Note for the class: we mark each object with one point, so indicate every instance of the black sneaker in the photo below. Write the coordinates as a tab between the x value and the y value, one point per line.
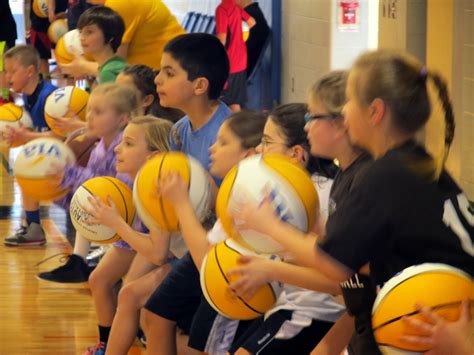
75	270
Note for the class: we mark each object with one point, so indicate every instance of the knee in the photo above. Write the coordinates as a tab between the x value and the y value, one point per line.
98	280
129	297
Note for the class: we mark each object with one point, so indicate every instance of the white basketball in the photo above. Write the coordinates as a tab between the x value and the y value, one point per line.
35	163
101	187
64	102
294	197
57	29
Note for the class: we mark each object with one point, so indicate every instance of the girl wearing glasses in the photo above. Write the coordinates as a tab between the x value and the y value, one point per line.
301	317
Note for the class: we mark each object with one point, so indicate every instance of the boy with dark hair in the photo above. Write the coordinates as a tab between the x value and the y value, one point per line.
101	30
194	69
22	65
229	18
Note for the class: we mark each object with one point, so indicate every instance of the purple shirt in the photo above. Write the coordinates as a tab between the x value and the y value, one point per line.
101	163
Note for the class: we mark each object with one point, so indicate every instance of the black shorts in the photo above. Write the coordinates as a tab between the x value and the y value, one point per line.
224	331
260	336
41	42
179	295
235	92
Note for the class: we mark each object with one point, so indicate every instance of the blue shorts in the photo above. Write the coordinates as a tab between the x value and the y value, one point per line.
179	295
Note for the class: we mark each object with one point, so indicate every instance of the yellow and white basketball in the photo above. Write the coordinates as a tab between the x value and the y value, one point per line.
215	283
64	102
68	47
13	116
40	8
245	31
57	29
156	211
294	197
438	286
34	165
101	187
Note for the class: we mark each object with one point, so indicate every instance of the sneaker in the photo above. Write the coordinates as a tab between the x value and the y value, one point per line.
27	236
75	270
98	349
94	256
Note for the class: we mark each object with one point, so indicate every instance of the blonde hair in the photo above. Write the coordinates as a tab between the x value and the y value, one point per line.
123	98
400	81
330	91
25	55
157	132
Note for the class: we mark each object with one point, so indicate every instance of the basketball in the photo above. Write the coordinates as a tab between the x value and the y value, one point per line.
438	286
68	47
215	283
101	187
294	197
32	168
64	102
82	145
156	211
40	8
245	31
13	116
57	29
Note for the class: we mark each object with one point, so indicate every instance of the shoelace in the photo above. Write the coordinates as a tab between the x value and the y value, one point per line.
63	258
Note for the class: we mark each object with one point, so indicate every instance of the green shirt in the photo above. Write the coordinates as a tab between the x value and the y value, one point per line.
110	69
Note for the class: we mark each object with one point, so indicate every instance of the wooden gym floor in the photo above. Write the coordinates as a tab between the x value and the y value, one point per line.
37	316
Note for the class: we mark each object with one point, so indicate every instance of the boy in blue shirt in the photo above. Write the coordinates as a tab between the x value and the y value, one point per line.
194	69
22	66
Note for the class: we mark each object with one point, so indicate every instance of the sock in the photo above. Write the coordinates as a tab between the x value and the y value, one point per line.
32	216
104	334
81	246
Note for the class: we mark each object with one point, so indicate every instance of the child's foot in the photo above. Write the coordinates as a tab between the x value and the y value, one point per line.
31	235
98	349
75	270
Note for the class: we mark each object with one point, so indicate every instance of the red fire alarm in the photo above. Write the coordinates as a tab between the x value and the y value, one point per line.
348	19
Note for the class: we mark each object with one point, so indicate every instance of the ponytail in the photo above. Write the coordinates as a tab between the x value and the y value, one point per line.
449	122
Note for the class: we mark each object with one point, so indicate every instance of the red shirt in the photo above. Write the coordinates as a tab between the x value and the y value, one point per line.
229	18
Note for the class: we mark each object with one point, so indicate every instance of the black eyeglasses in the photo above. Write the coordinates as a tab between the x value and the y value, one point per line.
308	117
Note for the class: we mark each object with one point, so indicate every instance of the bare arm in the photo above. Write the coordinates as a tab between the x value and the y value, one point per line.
254	272
154	247
251	22
337	338
263	219
222	37
173	188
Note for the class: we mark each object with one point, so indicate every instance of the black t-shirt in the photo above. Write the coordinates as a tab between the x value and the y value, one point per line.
8	26
258	36
359	291
394	219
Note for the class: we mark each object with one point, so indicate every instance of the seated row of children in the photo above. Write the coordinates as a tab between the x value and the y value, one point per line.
367	124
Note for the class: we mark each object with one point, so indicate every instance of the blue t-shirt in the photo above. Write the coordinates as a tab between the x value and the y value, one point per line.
196	143
35	103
